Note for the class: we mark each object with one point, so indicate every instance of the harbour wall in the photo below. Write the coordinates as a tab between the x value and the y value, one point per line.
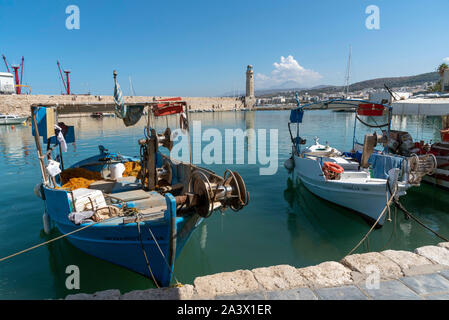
352	276
86	104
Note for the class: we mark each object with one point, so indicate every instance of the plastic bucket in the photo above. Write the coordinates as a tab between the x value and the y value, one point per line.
117	170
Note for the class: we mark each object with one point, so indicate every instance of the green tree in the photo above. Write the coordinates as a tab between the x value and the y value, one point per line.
435	88
441	68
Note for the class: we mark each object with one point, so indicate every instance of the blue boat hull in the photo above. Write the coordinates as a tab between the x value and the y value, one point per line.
120	243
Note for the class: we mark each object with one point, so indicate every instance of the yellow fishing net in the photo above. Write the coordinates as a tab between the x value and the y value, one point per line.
75	178
132	168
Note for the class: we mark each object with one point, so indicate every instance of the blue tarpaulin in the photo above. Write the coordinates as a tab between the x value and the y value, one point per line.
382	163
355	155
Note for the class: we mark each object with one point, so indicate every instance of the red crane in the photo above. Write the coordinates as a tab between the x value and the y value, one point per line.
66	83
16	74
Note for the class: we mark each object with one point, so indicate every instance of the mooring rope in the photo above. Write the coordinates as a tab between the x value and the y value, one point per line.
371	125
373	226
393	232
401	207
54	239
178	284
144	253
409	214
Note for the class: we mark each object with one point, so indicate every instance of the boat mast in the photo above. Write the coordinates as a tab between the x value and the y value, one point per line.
131	88
348	70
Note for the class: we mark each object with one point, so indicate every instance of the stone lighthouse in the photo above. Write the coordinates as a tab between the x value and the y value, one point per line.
250	99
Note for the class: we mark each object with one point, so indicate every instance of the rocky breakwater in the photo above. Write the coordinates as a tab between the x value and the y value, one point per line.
86	104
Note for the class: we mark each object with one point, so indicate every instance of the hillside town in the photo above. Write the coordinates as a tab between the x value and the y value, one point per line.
376	94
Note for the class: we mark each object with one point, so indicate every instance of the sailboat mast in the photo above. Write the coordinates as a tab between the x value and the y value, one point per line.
348	70
131	88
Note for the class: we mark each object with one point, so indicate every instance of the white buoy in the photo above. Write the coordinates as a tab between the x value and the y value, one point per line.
289	164
37	190
46	222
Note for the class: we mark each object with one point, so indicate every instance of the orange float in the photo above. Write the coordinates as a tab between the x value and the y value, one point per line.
334	167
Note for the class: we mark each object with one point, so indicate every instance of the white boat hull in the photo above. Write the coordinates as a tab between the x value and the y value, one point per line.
367	197
9	121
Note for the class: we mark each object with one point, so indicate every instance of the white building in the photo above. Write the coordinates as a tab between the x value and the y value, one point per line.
277	100
6	83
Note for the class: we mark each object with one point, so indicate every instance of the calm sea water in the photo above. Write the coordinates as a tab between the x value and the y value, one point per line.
283	224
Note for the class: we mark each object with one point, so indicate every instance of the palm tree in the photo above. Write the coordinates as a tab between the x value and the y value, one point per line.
441	68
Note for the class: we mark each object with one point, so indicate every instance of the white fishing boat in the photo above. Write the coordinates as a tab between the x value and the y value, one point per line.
362	180
12	119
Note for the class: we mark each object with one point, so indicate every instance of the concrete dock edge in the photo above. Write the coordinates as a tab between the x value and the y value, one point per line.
422	274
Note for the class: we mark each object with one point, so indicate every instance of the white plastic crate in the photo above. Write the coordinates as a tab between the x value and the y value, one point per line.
84	198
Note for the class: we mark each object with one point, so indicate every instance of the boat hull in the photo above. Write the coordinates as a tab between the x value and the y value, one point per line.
121	244
123	248
367	199
10	121
440	180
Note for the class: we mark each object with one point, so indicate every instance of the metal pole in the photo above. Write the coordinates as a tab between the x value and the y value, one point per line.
60	155
353	136
16	75
21	71
188	135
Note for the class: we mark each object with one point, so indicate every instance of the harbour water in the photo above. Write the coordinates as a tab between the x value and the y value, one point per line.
283	224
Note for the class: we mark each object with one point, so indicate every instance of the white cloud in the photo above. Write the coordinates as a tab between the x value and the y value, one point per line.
446	59
288	73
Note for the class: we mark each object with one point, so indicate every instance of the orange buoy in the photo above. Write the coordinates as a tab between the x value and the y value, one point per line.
334	167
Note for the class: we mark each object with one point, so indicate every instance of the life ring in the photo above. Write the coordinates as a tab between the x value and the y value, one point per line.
334	167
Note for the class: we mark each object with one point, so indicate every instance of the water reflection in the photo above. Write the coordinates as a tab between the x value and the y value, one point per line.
314	222
15	144
283	224
95	274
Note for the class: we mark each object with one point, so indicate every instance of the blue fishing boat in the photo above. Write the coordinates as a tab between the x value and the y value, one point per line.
134	212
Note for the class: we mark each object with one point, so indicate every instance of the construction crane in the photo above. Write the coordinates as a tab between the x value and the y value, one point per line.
16	68
6	64
66	82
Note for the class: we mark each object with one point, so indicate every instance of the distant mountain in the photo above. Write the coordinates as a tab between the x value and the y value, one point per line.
392	82
396	81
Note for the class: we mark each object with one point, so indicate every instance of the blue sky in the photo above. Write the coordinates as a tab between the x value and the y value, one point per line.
202	48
